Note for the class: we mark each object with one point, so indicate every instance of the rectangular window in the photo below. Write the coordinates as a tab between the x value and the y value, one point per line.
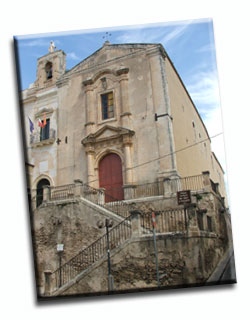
107	106
44	132
209	224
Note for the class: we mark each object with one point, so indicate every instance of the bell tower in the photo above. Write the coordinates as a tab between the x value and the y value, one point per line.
50	67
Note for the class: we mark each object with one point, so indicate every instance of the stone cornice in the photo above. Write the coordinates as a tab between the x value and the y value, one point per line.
97	137
124	114
46	93
45	110
29	99
62	82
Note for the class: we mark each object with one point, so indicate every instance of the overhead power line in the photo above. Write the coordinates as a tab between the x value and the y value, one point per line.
169	154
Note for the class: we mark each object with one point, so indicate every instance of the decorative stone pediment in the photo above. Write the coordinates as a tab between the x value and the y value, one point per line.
44	110
108	134
109	52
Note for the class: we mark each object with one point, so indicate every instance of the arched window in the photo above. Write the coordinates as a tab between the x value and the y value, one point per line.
48	70
39	191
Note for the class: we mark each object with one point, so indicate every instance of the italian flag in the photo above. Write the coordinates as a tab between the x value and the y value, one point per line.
42	124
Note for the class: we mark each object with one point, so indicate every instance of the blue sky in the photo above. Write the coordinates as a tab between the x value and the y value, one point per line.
189	44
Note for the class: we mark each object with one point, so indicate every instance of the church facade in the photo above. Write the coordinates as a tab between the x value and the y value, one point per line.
120	118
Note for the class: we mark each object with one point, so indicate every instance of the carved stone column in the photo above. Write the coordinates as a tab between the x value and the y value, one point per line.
90	161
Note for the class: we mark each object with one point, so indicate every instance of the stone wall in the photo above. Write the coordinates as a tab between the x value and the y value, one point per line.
183	261
186	258
71	223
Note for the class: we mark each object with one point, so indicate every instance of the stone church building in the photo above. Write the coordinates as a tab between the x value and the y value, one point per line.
103	125
119	128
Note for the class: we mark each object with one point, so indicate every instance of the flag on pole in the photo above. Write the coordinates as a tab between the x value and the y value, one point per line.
44	120
43	123
40	124
31	126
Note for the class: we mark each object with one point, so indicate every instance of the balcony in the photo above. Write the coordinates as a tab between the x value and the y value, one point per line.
38	140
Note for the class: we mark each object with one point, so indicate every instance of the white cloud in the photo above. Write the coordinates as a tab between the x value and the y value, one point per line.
138	36
206	48
213	123
72	56
36	43
176	33
204	90
154	35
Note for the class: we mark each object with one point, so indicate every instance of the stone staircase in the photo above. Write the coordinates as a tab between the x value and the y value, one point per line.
63	277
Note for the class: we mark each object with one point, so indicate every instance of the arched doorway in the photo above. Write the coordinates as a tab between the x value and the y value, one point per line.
110	177
39	191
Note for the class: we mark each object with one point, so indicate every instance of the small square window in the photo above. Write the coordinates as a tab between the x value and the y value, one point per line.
107	105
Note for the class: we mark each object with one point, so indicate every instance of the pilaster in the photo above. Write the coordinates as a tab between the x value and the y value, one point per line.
127	145
125	107
90	112
162	106
206	181
193	228
90	161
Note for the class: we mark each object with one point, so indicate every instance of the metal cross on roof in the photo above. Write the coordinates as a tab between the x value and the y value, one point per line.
107	34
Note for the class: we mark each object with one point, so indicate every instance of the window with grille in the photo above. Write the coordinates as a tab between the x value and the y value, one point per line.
107	106
44	132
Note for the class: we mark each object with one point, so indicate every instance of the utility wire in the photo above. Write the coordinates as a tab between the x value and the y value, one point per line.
167	155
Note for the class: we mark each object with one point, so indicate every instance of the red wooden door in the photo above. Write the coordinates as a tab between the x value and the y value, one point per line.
110	177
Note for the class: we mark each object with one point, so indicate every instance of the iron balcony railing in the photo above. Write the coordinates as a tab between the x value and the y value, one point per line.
37	137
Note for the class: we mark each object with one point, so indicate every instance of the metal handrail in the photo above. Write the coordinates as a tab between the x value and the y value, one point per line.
91	254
